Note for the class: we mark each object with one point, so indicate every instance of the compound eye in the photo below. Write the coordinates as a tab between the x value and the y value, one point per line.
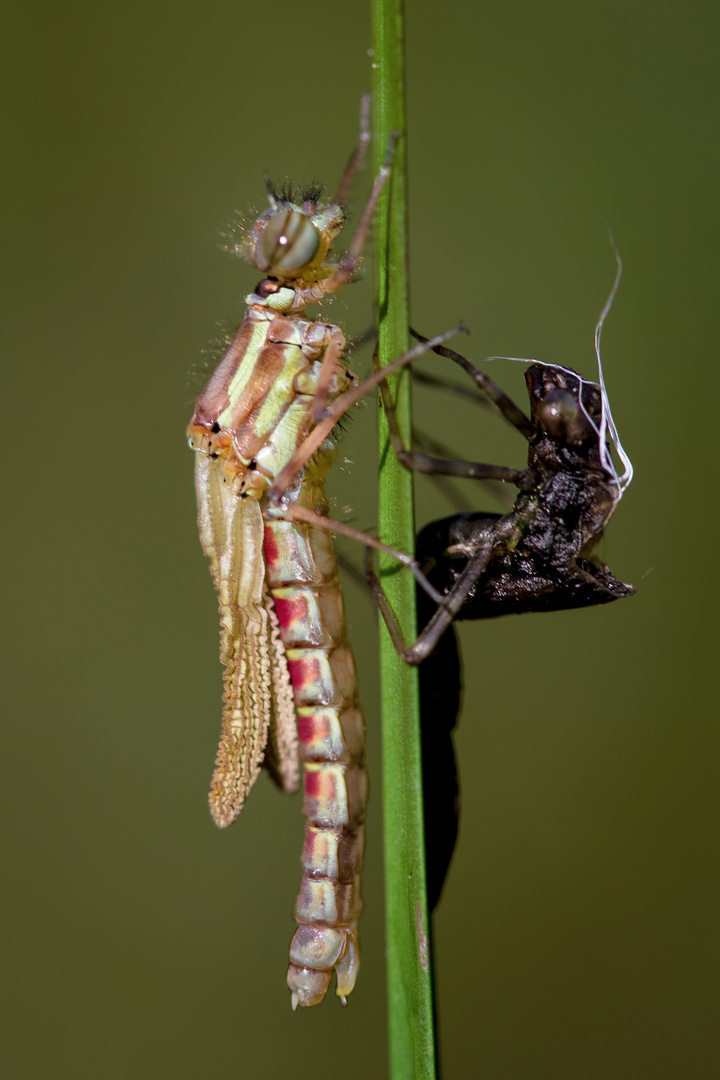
288	242
562	417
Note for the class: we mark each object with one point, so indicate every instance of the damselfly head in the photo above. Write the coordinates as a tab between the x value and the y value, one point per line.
291	240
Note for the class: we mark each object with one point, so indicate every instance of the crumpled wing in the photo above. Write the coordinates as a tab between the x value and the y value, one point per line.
282	753
257	691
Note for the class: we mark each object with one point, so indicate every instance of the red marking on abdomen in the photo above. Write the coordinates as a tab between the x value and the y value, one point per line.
290	611
272	553
318	785
313	728
303	672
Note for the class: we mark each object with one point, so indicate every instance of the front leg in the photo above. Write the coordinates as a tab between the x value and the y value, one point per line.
312	443
427	463
512	413
448	608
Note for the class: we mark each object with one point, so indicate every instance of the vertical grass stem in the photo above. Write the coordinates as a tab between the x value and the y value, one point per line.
412	1053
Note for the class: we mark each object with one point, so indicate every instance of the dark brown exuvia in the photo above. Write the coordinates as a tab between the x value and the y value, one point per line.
539	556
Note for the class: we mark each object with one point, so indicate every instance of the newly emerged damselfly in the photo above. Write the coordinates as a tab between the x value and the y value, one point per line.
290	692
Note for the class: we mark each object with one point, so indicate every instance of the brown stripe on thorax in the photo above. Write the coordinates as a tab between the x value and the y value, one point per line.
214	397
273	365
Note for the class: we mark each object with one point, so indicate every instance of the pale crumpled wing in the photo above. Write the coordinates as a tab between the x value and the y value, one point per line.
282	754
256	680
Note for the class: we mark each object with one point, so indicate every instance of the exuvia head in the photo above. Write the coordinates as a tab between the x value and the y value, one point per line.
563	404
561	416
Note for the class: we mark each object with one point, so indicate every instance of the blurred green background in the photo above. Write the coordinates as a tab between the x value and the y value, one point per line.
578	935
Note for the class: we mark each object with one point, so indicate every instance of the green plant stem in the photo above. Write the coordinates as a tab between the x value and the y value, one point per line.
412	1054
